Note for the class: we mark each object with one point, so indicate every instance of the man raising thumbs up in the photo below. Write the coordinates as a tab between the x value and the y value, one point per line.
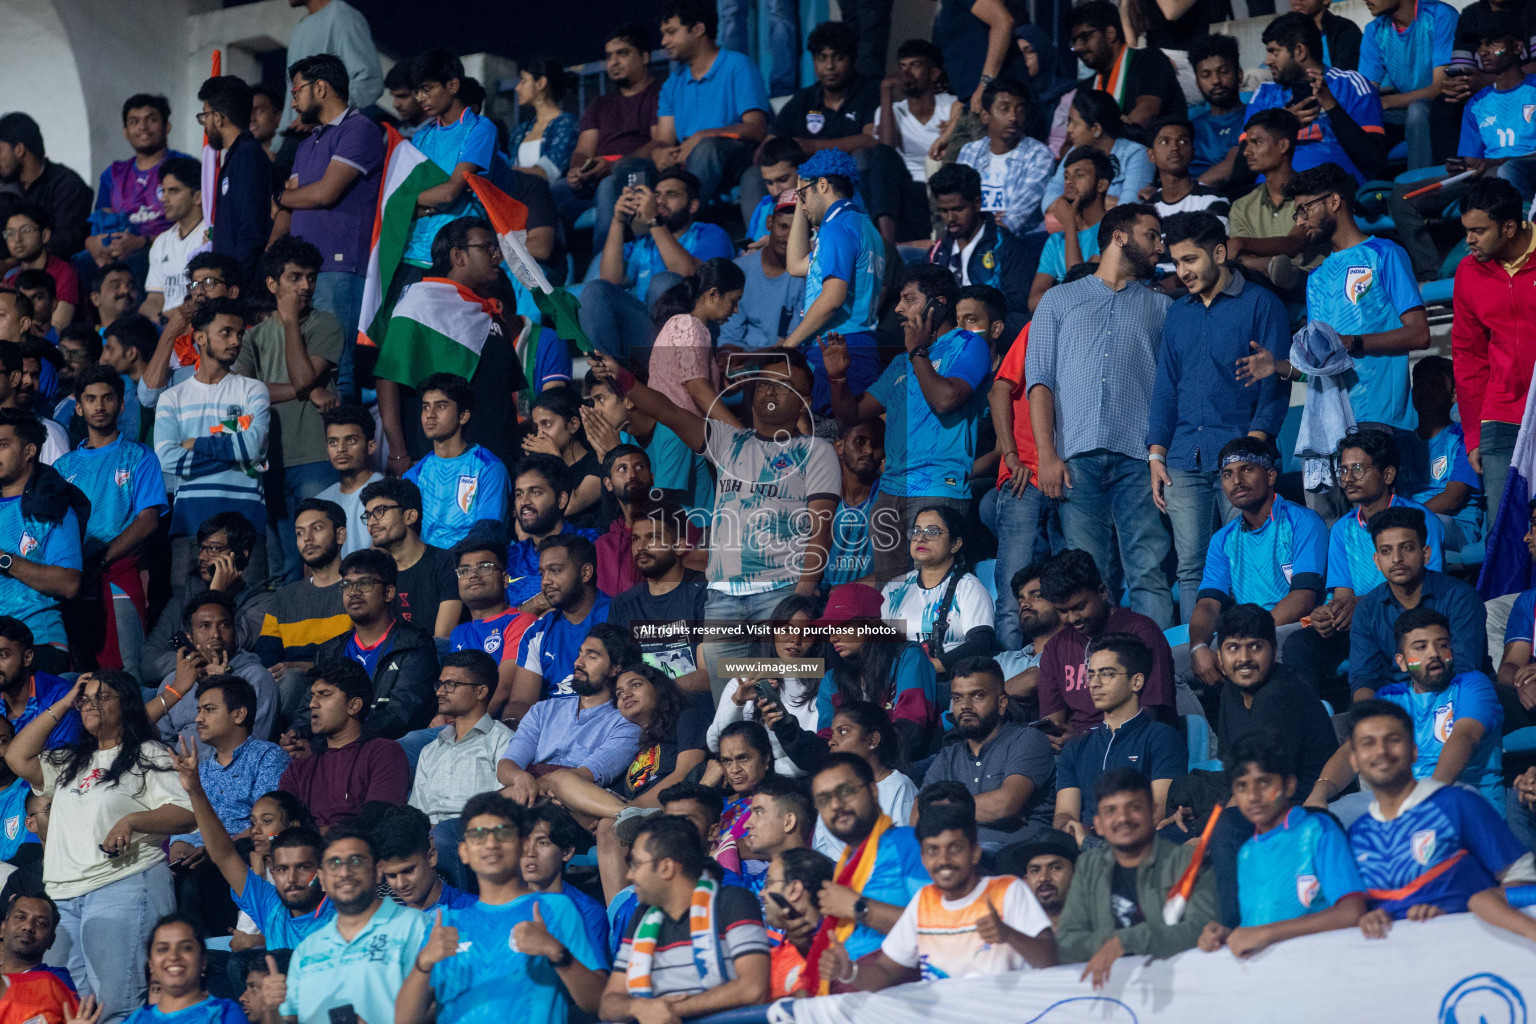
963	924
506	957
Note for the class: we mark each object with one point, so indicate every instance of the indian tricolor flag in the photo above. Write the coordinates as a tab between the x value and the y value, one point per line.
407	174
439	326
509	218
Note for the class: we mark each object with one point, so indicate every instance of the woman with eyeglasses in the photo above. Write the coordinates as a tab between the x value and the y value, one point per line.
178	965
557	430
944	607
794	698
864	729
115	800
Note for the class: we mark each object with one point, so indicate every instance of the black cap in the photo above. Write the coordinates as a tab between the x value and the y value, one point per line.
1013	860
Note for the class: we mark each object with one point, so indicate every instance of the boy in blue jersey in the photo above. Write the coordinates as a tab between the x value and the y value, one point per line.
122	480
1426	848
26	691
1497	138
40	560
1404	52
568	574
462	485
1450	487
1274	554
480	564
1218	76
844	270
932	396
1296	875
1340	111
1087	174
1364	290
402	838
14	791
1368	468
514	955
552	839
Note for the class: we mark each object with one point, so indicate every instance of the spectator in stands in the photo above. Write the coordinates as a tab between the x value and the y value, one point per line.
669	595
794	878
1083	425
860	451
567	570
408	862
1265	238
1218	75
392	516
177	971
839	112
863	728
1296	875
1143	82
713	108
27	690
113	293
1010	929
105	862
52	187
242	212
318	975
1072	584
778	544
793	698
844	270
1094	122
186	234
627	478
552	838
350	446
913	124
1368	466
129	210
615	132
1340	109
224	543
976	248
121	478
28	236
351	770
41	290
1191	394
42	533
1452	489
931	426
944	607
1341	36
462	484
1118	668
777	163
1007	767
399	656
682	362
1515	671
1046	867
27	932
1404	53
1035	621
307	612
554	419
402	99
1399	542
542	488
210	275
781	818
1381	316
341	29
1483	859
208	621
772	298
542	145
1171	151
330	200
656	960
883	855
1115	905
211	432
493	626
1011	190
1015	513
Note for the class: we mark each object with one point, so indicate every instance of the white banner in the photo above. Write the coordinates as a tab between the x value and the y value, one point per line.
1450	970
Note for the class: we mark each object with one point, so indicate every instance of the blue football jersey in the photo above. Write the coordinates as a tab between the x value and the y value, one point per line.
1435	714
1496	125
459	492
1351	555
1299	867
1289	552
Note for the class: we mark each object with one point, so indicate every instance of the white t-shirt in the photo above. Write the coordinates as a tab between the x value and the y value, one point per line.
352	505
85	811
56	444
939	937
168	256
806	714
528	152
993	198
896	794
906	599
917	137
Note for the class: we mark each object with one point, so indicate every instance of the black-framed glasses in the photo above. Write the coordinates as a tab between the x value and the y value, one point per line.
449	685
202	118
356	862
362	586
464	572
842	794
206	284
1304	210
214	549
492	248
377	512
500	833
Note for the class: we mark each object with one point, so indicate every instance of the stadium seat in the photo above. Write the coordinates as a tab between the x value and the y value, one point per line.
986	571
1521	741
1177	635
587	220
1200	744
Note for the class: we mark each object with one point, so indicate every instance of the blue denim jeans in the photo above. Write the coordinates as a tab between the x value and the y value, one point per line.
1110	500
1416	131
1195	503
734	31
722	607
1497	449
106	957
617	322
1016	524
342	295
298	483
783	47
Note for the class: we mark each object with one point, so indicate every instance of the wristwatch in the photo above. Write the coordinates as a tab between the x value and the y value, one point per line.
921	350
565	959
987	79
860	908
5	564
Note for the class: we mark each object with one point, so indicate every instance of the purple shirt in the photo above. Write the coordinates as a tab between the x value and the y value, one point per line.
133	196
343	232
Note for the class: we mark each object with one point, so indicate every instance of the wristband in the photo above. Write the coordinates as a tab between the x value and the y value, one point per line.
565	959
416	966
1199	647
1157	457
853	975
54	713
168	686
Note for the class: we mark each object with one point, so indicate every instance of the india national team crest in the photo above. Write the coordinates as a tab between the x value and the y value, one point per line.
1307	887
121	477
468	486
1357	281
1423	846
27	546
1445	721
13	826
1527	110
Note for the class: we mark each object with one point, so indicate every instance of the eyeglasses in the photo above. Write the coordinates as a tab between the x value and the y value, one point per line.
425	90
23	232
500	833
362	586
449	685
636	862
207	284
377	512
494	250
842	794
214	549
1355	470
928	532
776	387
1104	675
84	701
356	862
464	572
294	92
202	119
1304	210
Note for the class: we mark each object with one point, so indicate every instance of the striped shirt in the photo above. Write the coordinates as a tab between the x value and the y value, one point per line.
738	923
222	472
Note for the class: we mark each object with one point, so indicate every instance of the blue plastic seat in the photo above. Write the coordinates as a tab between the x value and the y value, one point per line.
1521	741
1438	292
987	573
1198	732
587	219
1177	635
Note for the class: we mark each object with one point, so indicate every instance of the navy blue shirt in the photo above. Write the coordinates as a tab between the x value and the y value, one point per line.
1371	644
242	210
1198	404
1151	747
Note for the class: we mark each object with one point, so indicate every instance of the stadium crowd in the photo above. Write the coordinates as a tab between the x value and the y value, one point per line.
380	642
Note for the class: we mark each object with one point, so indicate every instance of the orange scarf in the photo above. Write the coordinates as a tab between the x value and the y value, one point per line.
853	870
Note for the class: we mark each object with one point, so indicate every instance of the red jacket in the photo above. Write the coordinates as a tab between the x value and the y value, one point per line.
1493	342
